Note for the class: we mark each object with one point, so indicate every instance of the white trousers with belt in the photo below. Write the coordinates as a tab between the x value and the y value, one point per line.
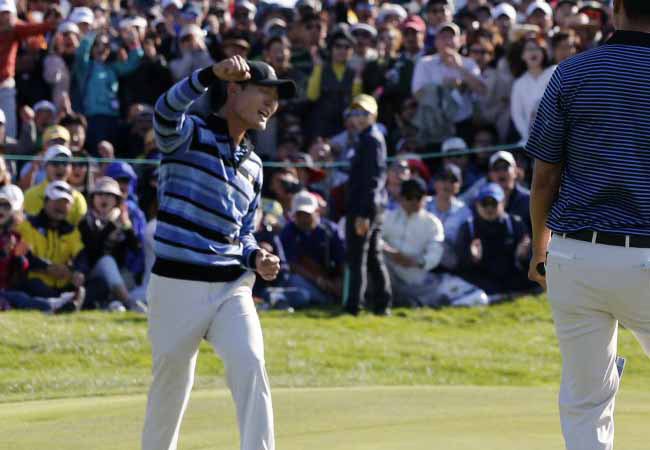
591	288
181	314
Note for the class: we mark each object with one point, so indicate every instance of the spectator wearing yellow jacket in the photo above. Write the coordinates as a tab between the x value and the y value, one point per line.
56	169
57	261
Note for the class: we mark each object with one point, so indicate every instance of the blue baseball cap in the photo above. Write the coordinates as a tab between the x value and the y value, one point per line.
491	190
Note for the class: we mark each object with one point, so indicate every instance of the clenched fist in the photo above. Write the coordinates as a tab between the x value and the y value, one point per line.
232	69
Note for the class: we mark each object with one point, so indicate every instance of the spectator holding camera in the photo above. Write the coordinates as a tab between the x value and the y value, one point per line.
98	82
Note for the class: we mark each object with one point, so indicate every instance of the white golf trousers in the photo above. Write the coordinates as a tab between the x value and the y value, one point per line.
181	314
591	288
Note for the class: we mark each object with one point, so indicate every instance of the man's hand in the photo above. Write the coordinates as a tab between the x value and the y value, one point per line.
59	271
26	114
523	248
476	250
361	225
537	263
451	58
267	265
232	69
403	260
78	279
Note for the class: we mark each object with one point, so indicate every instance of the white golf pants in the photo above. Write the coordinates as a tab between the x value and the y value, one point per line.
591	288
181	314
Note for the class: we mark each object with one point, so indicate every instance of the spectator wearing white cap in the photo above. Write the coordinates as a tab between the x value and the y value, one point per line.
12	32
84	18
97	93
57	168
57	66
540	13
313	250
56	246
365	49
244	17
532	78
193	52
505	17
502	170
457	74
391	14
454	150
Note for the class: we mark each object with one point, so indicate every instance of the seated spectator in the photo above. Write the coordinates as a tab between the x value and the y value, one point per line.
413	245
58	262
450	210
15	258
470	172
397	173
314	251
493	246
503	170
107	234
57	168
127	180
32	172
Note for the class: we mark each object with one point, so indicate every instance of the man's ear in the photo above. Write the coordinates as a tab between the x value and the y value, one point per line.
233	88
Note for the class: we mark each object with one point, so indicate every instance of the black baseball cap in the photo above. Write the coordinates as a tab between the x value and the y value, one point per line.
264	75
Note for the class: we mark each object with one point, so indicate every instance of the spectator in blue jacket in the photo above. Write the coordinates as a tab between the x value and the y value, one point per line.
97	82
313	250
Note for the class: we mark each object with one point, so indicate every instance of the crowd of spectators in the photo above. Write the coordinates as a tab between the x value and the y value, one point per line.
79	80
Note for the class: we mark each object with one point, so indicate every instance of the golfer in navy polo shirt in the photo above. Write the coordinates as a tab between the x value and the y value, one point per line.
590	210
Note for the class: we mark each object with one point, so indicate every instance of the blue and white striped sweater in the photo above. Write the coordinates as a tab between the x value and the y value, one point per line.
208	190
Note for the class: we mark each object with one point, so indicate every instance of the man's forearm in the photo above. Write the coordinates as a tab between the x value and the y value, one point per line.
545	188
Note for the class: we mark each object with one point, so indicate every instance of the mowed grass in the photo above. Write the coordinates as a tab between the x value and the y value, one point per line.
352	418
100	354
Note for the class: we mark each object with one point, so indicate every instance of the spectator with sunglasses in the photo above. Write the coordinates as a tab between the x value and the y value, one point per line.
332	85
365	202
493	246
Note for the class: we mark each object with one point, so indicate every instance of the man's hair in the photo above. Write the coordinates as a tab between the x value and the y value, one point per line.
275	39
637	8
74	119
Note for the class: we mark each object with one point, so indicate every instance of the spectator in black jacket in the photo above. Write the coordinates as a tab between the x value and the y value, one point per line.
493	246
107	235
366	199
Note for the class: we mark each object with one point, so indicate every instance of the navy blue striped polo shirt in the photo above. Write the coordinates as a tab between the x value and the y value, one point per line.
208	190
594	118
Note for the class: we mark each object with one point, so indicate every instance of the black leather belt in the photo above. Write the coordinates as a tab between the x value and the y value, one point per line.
619	240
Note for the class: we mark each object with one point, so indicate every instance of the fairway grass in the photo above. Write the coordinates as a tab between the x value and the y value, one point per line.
352	418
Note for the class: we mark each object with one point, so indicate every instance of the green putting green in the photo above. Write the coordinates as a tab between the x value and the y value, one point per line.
351	418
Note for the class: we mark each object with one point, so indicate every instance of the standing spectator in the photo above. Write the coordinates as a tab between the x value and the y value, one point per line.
413	245
397	173
57	169
57	66
107	234
7	143
12	32
193	53
34	122
449	209
365	49
365	202
451	70
540	13
505	17
332	85
563	45
565	12
529	87
314	251
493	246
76	125
98	83
400	75
437	12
